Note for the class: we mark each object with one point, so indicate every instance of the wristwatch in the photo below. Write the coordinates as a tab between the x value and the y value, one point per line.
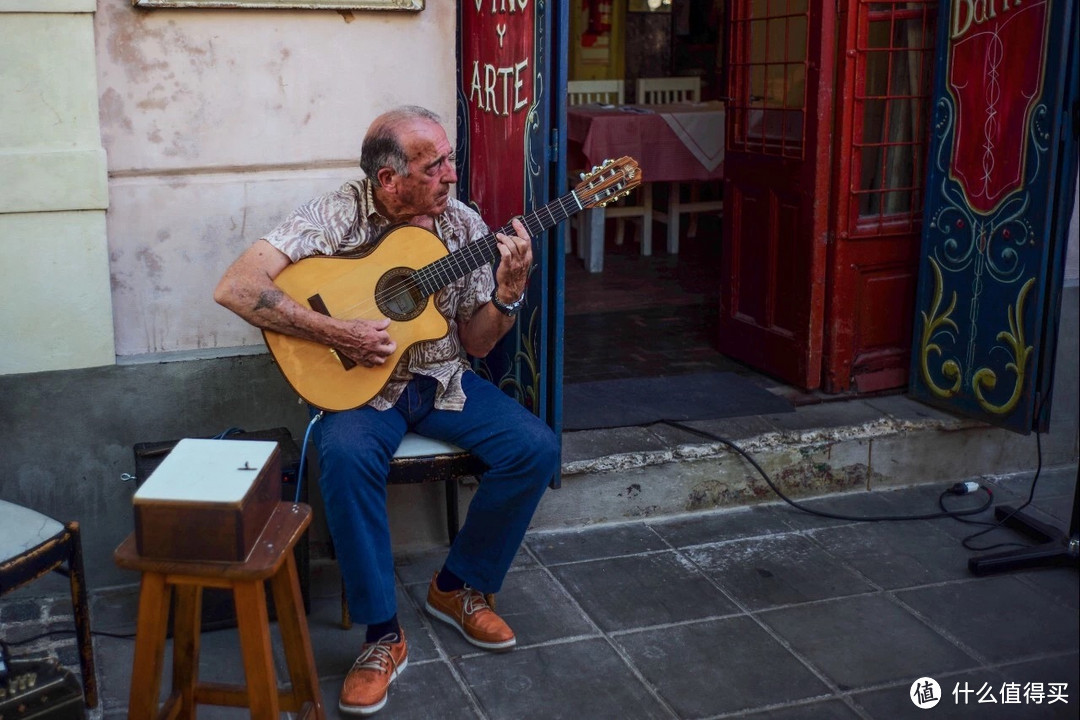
510	310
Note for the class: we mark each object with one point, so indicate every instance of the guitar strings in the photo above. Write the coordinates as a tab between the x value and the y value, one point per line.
442	271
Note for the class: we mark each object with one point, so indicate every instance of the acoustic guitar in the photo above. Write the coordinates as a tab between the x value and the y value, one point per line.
396	280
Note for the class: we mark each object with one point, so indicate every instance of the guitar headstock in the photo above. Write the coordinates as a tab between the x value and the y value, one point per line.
608	181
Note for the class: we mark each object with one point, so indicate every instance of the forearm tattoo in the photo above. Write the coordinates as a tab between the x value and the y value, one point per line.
268	299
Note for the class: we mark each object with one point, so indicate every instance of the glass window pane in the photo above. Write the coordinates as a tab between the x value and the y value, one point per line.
796	86
757	41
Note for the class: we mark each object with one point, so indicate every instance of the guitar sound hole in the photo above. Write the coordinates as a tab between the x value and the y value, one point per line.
398	295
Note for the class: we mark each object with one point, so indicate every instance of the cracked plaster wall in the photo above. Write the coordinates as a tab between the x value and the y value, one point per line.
219	122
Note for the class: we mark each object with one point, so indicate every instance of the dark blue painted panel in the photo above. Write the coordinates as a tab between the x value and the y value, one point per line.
1001	157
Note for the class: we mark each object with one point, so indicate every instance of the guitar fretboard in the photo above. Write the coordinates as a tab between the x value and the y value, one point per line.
434	276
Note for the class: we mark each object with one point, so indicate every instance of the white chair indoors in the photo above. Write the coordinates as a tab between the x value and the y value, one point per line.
604	92
665	91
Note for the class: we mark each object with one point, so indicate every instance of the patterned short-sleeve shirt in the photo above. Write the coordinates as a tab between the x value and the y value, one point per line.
347	221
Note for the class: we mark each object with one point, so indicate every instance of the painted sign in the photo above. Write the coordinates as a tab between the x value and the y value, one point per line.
503	139
497	73
991	247
994	94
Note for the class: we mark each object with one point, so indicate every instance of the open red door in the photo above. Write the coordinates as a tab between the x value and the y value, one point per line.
776	186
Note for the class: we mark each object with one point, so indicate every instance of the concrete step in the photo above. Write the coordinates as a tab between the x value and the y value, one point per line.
861	444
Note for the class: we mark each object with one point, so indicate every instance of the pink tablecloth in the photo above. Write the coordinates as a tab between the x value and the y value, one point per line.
670	142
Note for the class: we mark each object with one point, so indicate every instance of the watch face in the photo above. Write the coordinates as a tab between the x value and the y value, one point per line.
506	309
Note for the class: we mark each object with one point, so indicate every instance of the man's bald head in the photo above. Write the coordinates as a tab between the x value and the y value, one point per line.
382	145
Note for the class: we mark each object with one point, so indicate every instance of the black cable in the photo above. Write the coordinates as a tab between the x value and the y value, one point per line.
836	516
966	542
49	633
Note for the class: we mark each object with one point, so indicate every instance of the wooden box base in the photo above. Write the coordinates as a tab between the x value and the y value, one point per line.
173	524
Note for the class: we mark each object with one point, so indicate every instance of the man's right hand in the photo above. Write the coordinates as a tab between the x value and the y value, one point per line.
366	342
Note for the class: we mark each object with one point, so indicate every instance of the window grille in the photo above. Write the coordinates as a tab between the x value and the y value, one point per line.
768	69
894	58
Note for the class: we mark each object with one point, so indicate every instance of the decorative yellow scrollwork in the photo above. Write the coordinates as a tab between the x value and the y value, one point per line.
985	377
526	388
932	324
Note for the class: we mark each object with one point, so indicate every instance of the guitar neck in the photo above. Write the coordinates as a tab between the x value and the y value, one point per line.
437	275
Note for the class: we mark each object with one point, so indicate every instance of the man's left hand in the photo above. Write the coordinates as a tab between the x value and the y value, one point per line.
516	263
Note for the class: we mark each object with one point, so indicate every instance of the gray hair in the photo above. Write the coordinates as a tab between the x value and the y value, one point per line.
382	148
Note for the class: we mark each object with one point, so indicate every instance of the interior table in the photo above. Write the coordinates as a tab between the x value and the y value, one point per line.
680	143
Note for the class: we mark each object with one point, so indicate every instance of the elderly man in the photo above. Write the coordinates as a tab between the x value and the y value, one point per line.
409	166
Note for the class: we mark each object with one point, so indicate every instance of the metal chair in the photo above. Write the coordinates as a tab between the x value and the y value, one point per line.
32	545
420	459
663	91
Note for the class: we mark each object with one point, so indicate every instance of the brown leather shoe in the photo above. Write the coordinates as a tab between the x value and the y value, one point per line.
364	690
470	612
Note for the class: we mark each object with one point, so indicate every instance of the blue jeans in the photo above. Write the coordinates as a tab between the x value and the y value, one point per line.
355	449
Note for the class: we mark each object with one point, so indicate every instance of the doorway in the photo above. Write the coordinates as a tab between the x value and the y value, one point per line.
647	315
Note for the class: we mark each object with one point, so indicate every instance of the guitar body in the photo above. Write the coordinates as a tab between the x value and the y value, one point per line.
370	287
398	280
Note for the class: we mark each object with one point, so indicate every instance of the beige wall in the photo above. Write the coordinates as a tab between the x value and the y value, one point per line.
218	122
214	123
53	256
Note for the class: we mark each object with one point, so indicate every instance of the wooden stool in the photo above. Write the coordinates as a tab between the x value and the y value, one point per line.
271	560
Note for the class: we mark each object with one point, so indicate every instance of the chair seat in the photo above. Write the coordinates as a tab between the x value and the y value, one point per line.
22	528
414	445
33	545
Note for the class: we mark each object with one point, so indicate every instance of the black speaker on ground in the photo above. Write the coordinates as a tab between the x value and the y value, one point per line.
218	611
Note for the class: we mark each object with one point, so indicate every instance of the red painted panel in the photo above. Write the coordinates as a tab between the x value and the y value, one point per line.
885	78
987	122
885	295
497	81
776	187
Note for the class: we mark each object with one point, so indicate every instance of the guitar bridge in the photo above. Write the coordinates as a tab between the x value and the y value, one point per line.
317	304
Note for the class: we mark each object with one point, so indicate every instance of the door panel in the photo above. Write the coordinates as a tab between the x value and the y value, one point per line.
776	186
885	77
1003	162
505	117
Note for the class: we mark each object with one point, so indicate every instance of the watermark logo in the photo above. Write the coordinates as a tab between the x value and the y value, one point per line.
925	693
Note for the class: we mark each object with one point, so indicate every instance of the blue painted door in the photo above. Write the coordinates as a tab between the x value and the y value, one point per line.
1002	171
511	91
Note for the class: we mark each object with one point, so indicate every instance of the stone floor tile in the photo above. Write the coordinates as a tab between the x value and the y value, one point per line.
753	670
417	567
1056	669
896	703
532	604
827	710
593	543
826	415
857	505
1062	584
422	692
845	638
897	554
338	648
582	679
1001	618
1052	481
723	525
1056	508
923	499
641	591
776	570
